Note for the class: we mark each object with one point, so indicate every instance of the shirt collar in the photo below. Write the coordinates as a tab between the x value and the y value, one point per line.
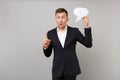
63	30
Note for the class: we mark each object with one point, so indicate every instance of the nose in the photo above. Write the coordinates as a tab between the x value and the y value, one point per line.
60	19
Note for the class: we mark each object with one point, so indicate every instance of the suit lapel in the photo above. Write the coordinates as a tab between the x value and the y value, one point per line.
57	39
67	37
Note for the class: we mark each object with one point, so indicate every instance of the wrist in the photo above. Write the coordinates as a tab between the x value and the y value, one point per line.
45	47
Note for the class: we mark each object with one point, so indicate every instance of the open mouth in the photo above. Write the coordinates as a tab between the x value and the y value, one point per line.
60	24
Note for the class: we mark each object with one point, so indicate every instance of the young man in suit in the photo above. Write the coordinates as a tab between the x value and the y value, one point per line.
62	40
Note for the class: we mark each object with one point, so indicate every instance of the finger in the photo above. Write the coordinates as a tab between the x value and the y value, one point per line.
47	37
45	41
85	17
48	41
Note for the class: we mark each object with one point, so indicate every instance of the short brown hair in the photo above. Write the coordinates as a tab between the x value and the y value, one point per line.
60	10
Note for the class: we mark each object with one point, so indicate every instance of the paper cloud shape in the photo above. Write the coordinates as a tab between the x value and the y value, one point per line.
80	12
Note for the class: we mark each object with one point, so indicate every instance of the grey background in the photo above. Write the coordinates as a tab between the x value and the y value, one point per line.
23	25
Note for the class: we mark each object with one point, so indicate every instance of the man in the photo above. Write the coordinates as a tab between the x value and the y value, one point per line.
62	40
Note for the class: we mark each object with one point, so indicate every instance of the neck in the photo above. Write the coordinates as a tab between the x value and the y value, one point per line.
61	29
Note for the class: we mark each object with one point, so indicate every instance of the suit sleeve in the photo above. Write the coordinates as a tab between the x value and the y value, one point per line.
48	51
85	40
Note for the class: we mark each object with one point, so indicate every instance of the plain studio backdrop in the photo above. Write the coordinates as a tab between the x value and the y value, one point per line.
23	26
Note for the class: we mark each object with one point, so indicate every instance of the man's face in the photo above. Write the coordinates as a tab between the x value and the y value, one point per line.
61	19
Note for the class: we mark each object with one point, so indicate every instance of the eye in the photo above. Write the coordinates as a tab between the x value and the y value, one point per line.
63	17
57	17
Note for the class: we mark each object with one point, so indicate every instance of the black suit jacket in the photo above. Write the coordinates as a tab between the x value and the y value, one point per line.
65	60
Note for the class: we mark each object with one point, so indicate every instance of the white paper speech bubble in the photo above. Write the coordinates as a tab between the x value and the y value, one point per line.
80	12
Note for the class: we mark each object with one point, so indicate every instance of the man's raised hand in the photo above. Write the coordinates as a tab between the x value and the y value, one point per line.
46	42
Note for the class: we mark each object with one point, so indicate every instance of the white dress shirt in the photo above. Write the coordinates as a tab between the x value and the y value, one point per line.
62	36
